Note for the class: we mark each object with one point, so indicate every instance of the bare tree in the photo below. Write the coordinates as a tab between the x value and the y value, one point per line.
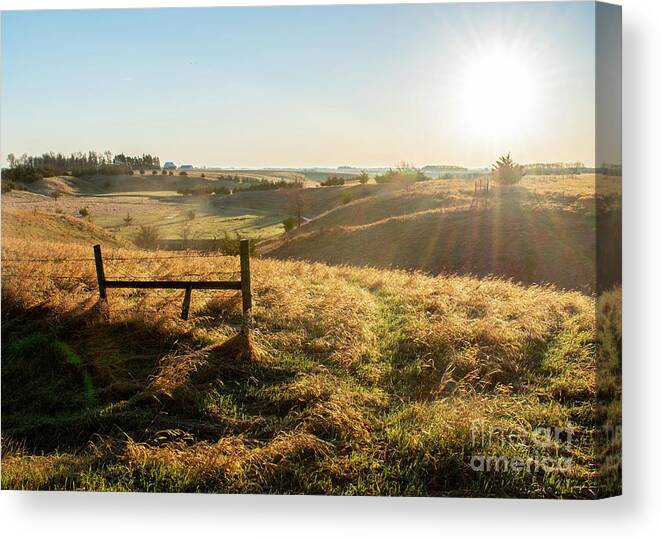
297	204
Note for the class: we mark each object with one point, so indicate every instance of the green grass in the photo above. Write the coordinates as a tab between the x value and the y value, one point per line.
291	418
172	221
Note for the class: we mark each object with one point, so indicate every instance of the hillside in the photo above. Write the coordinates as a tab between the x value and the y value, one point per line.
355	381
99	185
313	201
526	235
34	225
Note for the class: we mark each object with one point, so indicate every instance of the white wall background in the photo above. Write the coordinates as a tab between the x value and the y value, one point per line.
637	513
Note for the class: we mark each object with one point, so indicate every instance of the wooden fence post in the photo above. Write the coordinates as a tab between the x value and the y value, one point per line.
186	305
100	275
246	292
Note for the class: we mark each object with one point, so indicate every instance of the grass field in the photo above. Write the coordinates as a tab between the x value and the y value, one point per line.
151	201
355	381
154	201
542	231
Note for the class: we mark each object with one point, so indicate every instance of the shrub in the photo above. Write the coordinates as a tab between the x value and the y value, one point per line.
142	172
170	173
54	195
364	177
183	173
130	173
232	245
154	172
128	220
147	237
289	224
400	175
203	190
84	212
346	198
164	172
384	178
190	215
333	180
8	186
202	175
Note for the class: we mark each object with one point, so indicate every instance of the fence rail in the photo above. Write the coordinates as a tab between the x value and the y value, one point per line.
184	281
244	284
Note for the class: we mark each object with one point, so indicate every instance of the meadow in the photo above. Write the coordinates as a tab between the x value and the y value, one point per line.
358	379
122	204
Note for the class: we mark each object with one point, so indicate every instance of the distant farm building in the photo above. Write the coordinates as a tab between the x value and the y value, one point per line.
169	165
186	167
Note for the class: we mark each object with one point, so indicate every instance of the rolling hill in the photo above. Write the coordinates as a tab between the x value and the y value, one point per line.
524	236
354	381
27	226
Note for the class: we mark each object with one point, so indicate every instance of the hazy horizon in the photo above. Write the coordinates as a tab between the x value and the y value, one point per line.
305	86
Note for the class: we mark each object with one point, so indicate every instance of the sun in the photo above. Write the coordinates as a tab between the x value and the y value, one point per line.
498	93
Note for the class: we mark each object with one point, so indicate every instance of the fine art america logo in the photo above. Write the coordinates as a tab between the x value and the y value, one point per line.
547	441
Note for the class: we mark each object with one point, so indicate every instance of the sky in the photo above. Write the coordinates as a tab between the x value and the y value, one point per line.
304	86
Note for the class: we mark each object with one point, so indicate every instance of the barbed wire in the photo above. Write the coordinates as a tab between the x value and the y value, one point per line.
48	276
112	259
167	277
4	259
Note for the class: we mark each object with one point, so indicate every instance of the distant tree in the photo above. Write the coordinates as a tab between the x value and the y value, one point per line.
128	220
297	204
84	212
82	163
55	195
506	172
190	215
24	173
364	177
186	235
147	237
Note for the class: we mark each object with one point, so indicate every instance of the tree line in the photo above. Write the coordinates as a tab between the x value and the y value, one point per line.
266	185
29	168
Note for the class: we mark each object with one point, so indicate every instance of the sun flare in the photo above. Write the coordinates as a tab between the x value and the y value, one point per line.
498	93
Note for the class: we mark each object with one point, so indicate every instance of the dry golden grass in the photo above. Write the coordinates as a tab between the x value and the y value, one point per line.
355	380
542	231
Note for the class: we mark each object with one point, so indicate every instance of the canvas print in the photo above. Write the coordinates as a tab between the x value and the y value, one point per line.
363	250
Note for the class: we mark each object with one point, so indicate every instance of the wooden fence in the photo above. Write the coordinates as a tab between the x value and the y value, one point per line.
244	284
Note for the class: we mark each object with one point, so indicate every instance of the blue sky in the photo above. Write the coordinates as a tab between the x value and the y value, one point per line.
302	86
